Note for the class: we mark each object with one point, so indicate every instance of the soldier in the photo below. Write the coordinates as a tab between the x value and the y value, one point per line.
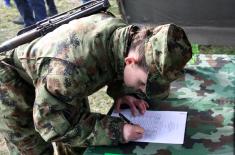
45	84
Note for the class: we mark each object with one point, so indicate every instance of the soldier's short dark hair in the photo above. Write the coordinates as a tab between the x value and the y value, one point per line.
138	45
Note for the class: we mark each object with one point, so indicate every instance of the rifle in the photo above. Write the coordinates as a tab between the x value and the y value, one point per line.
47	25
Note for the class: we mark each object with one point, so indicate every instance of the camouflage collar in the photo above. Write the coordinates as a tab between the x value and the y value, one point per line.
120	41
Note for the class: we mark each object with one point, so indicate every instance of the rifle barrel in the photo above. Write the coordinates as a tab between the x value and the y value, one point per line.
47	25
19	40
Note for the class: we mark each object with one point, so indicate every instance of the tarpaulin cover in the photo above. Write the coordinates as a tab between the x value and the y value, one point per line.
205	21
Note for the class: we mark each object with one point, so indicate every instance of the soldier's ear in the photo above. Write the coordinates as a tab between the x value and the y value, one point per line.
130	60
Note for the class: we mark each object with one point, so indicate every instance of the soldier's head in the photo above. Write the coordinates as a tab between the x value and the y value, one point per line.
156	57
136	68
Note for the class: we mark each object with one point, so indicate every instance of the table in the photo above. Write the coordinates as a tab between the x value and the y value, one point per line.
207	93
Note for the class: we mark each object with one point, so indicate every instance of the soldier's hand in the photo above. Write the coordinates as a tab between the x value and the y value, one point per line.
132	132
133	103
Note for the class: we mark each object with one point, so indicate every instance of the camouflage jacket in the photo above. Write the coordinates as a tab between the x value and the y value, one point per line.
67	65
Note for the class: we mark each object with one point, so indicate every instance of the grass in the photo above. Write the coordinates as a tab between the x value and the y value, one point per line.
210	49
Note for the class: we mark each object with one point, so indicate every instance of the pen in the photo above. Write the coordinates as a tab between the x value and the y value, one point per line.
125	119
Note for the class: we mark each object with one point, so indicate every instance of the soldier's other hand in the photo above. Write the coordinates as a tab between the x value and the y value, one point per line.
132	132
133	103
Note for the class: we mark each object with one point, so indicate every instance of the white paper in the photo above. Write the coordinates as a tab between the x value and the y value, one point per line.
160	126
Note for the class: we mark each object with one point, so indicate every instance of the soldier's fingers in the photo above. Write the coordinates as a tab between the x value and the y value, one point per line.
145	108
141	107
139	129
137	125
143	104
146	104
137	136
133	108
117	105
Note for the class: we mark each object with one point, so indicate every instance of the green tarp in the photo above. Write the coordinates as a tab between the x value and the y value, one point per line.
207	93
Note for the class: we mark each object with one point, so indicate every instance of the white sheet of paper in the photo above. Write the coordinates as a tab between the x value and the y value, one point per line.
160	126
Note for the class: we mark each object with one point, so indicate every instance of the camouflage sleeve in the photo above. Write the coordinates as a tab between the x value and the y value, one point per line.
60	115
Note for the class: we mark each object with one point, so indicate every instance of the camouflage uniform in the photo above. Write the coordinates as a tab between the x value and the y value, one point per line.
50	79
